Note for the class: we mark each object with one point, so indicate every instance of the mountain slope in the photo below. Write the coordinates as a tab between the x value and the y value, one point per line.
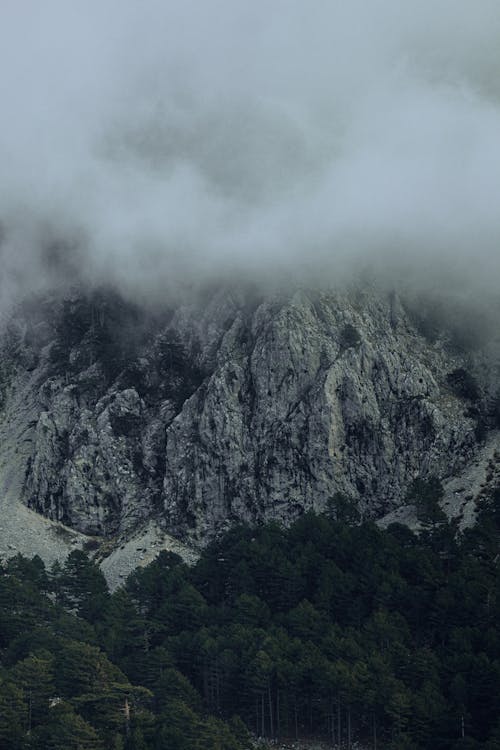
233	407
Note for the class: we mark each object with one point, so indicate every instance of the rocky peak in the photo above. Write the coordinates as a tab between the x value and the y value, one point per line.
233	407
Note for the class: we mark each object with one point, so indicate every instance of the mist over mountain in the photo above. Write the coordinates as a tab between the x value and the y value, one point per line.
249	374
152	145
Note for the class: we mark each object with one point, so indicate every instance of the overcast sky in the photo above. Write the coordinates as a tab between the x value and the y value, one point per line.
157	141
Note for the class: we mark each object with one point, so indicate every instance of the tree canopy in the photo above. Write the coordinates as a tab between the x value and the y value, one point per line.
332	628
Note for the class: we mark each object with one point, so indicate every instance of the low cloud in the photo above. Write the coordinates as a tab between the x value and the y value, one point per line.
149	144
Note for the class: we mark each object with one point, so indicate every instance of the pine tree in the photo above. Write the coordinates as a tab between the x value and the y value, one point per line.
83	587
66	730
13	716
36	678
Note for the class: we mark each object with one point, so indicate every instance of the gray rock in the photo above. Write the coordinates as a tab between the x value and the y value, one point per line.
233	408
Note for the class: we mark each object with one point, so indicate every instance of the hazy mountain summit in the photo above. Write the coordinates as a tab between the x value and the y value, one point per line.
186	146
123	423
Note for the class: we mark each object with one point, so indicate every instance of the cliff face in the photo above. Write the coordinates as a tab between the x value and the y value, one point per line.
233	407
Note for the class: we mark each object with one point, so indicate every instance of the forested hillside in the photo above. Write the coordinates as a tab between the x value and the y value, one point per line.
331	629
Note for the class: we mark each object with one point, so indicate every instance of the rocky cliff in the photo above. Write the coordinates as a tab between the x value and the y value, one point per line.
234	406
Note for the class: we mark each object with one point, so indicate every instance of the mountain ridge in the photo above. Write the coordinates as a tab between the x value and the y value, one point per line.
233	407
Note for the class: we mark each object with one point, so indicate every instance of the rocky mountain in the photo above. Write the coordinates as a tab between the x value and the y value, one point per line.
131	429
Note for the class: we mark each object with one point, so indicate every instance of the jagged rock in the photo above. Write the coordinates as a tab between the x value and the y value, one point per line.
235	407
296	411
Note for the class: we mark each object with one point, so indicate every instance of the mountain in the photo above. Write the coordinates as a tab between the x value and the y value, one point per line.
127	428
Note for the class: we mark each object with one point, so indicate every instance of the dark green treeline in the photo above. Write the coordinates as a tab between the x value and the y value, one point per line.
327	629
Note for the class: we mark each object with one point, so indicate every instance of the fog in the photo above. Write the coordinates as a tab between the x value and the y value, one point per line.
157	143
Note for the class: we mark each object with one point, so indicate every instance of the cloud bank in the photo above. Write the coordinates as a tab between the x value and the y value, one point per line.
148	143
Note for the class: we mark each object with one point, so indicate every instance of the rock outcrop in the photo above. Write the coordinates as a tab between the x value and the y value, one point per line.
233	407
